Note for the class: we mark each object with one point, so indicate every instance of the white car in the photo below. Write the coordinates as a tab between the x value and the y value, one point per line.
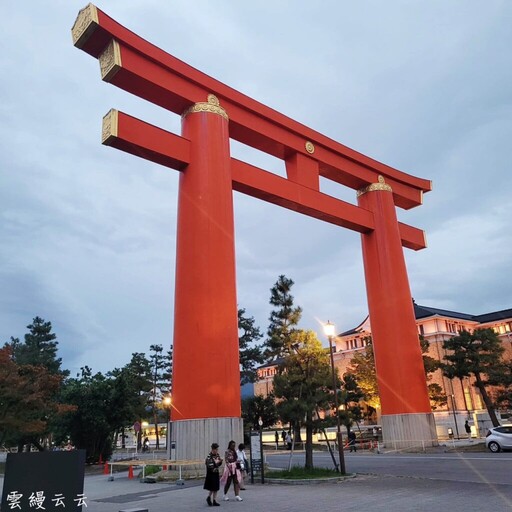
499	438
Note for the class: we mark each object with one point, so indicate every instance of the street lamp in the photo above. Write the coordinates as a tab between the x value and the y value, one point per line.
329	331
167	402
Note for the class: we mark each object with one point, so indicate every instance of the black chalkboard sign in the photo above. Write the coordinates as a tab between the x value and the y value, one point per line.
50	481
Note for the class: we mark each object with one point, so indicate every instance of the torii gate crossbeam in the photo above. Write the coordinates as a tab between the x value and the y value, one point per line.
206	396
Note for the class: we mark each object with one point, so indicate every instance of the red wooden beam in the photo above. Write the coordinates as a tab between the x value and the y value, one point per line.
165	148
149	72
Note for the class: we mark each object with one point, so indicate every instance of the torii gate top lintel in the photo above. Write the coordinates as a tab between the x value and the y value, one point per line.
137	66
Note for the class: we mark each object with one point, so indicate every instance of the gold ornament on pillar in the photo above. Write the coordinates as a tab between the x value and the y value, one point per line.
381	185
212	105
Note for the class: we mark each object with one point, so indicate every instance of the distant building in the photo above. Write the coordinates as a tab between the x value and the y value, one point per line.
435	325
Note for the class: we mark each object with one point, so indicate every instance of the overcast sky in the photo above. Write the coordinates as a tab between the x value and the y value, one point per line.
88	232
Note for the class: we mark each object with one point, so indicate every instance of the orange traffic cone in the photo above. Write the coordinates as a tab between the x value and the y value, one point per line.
105	469
130	471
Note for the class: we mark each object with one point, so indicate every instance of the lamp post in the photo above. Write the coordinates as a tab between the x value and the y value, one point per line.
167	401
329	331
455	415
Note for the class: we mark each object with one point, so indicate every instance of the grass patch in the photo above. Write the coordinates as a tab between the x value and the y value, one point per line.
300	473
151	470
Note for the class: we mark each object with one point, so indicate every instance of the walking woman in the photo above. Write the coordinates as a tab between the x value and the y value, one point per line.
212	480
231	472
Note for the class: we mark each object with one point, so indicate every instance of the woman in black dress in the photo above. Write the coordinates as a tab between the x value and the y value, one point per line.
212	480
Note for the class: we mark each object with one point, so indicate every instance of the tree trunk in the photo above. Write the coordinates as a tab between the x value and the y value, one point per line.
309	441
488	404
155	421
296	432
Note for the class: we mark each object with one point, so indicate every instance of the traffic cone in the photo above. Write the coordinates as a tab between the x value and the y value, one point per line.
105	469
130	471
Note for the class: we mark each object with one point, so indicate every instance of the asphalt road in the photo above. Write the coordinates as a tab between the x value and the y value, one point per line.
488	468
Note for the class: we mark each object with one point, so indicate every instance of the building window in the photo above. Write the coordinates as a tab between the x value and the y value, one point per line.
421	329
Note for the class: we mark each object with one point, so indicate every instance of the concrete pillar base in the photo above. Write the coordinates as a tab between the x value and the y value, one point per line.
409	431
195	437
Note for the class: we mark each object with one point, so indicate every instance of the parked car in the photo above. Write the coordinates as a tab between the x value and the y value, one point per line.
499	438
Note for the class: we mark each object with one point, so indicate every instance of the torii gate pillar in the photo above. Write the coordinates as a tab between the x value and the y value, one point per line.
406	414
205	309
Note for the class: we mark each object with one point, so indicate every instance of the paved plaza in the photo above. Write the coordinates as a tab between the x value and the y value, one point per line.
362	493
379	490
365	492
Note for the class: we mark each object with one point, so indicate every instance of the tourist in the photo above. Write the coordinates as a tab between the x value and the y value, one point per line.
467	428
212	479
243	463
352	441
231	472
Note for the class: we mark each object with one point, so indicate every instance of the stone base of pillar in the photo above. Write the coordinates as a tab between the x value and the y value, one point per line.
194	437
409	431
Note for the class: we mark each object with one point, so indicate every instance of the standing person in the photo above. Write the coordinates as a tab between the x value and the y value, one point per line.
231	472
352	441
244	464
276	437
468	429
212	480
288	440
283	437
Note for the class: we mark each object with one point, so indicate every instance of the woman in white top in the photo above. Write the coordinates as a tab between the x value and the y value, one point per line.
244	466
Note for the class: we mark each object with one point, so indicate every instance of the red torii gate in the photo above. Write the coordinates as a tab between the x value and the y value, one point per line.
206	390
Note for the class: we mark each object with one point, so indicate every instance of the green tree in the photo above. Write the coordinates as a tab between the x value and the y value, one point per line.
350	401
476	354
436	394
256	407
126	400
40	368
27	401
140	382
362	366
90	425
39	347
160	382
500	376
283	320
250	353
302	385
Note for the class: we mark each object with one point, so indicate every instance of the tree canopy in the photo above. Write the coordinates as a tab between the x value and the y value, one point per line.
283	320
251	354
477	353
303	385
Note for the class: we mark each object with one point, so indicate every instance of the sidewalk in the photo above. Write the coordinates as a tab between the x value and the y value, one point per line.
365	492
